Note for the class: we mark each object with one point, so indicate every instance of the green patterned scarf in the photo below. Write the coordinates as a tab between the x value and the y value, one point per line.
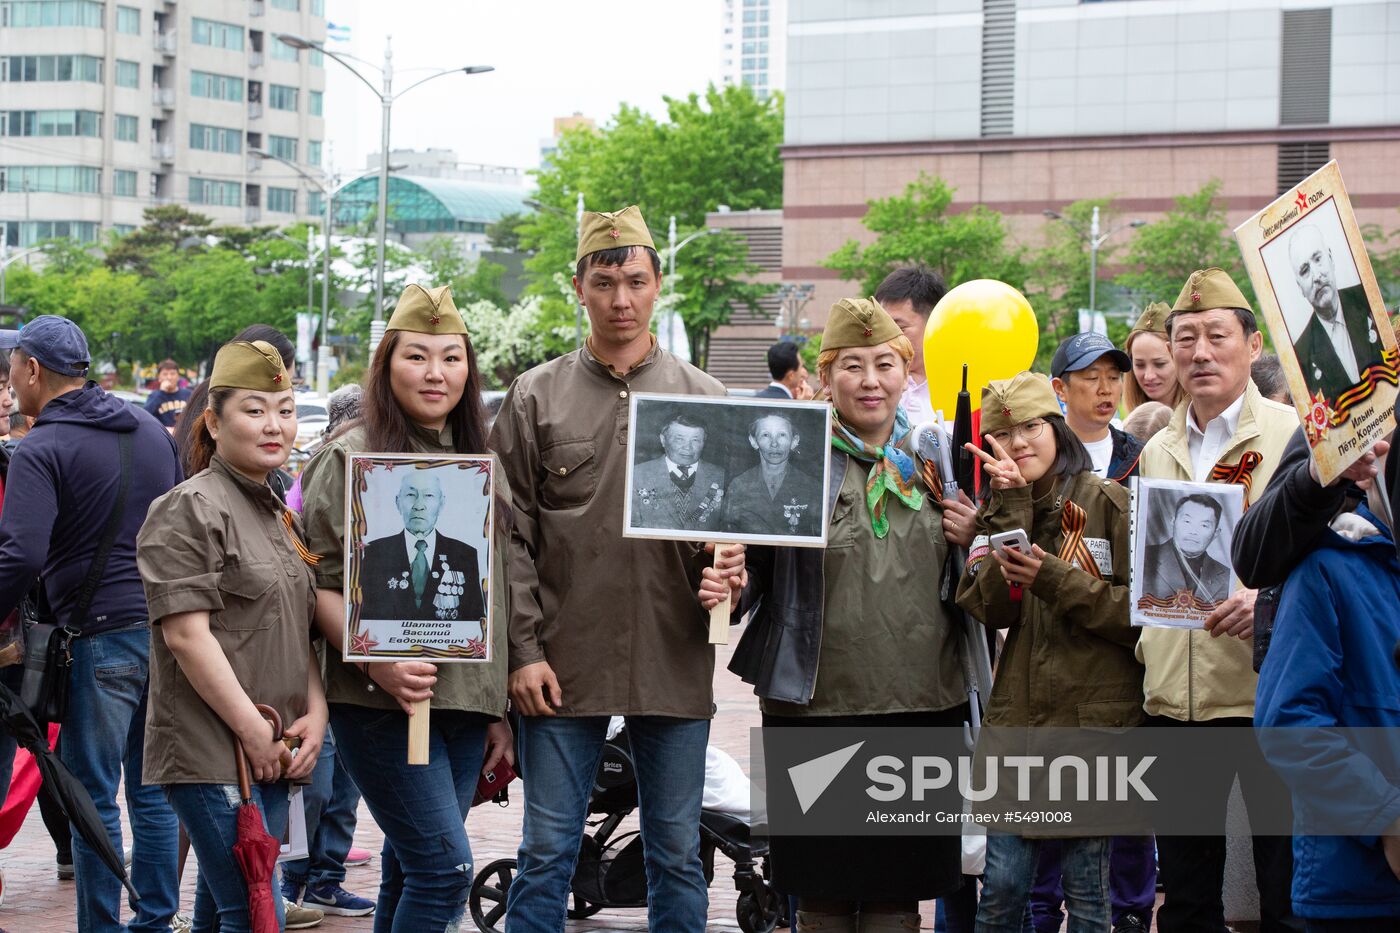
893	471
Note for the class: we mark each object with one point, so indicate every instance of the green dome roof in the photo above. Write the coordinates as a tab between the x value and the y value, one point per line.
429	205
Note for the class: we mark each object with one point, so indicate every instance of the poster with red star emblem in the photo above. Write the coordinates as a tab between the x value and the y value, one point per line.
420	564
1326	318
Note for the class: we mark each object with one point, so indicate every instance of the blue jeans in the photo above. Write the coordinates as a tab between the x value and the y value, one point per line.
426	869
1011	869
209	813
331	800
104	735
559	759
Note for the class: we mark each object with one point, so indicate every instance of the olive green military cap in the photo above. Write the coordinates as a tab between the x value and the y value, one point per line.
602	230
1153	320
244	365
426	311
1207	289
1011	401
858	322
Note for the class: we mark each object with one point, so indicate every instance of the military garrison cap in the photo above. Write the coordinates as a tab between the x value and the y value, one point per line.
1207	289
602	230
1153	320
243	365
1011	401
858	322
426	311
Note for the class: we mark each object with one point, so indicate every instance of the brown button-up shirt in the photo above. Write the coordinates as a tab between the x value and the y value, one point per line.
616	618
474	687
218	543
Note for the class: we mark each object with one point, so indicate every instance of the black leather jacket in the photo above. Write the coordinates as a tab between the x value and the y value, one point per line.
787	590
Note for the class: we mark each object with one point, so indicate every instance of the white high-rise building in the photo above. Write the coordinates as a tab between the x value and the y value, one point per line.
107	108
754	44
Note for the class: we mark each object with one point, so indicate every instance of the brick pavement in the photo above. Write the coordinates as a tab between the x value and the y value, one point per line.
36	902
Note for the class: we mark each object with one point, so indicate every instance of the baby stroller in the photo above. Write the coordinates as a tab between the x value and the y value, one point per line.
610	871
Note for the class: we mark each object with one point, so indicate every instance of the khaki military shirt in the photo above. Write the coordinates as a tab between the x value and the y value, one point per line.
616	618
217	543
888	644
471	687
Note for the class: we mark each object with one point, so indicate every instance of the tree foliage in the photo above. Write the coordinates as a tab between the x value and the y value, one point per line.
1194	234
918	226
1057	281
717	148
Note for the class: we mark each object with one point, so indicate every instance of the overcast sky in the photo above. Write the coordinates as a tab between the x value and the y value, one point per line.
552	58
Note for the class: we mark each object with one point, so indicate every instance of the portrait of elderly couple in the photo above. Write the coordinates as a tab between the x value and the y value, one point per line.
727	469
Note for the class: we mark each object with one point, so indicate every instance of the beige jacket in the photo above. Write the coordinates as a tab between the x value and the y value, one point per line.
1190	675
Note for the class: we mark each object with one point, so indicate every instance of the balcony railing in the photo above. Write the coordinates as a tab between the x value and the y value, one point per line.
255	59
255	109
165	42
163	97
163	152
252	214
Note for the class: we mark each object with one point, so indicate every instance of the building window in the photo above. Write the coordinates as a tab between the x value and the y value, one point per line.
218	87
123	229
128	74
30	232
284	52
50	123
281	97
56	179
21	13
219	193
125	128
129	20
293	5
318	7
314	103
123	183
216	34
283	147
215	139
313	152
315	202
282	200
316	58
51	68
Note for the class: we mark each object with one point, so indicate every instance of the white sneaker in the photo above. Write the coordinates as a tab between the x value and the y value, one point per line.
181	923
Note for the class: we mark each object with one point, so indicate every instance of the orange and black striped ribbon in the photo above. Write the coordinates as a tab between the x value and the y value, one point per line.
1072	522
1241	473
310	559
1387	370
935	485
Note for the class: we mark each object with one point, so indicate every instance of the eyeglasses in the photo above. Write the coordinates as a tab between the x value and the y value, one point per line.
1030	430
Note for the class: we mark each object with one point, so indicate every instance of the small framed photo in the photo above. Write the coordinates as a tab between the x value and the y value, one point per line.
740	470
418	558
1327	318
1181	535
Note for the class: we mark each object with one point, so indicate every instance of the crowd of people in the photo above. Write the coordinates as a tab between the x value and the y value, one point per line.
217	608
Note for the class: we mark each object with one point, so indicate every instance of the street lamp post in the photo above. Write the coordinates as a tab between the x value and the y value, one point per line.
672	249
7	259
1095	239
386	102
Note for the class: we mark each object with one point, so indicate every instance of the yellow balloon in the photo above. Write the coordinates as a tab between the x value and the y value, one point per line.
986	324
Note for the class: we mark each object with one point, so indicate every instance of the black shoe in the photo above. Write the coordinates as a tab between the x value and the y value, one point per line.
1132	923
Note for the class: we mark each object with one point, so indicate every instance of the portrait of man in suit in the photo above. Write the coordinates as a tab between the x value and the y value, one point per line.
1340	339
775	497
678	489
420	573
1181	562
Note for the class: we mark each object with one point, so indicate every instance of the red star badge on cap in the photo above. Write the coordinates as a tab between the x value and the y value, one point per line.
1005	412
435	320
867	332
1195	298
614	233
277	378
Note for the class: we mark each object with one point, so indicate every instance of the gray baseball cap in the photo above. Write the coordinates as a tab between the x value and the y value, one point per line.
57	343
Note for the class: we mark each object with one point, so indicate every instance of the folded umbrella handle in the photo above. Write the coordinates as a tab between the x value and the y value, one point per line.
245	784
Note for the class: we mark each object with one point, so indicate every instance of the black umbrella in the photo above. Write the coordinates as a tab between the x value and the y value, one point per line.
70	794
962	434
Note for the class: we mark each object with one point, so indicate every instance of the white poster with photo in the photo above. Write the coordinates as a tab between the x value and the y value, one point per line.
1181	534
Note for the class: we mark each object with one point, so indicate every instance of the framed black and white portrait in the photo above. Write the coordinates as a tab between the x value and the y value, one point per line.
741	470
1181	537
418	558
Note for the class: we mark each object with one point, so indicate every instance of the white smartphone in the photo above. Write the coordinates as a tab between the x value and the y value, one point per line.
1015	539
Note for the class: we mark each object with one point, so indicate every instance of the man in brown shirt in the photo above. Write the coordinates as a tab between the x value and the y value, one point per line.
603	625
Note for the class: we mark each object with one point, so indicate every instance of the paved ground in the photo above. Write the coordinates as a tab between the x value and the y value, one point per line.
36	902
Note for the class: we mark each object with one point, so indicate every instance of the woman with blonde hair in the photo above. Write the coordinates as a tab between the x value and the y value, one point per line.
869	612
1153	376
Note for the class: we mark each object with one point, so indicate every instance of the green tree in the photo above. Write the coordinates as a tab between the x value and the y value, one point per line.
167	228
717	148
443	259
504	233
1384	249
717	278
918	226
1194	234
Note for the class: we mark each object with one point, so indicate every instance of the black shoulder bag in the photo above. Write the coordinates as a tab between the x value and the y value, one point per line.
48	653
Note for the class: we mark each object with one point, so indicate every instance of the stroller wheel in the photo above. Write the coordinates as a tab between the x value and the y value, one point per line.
758	911
487	899
579	908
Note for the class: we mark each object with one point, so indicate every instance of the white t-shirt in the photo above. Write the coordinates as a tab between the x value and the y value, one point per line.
1101	452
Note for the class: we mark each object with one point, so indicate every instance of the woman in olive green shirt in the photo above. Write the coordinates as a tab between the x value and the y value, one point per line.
422	396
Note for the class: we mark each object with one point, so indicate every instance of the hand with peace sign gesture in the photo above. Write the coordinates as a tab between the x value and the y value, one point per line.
1001	468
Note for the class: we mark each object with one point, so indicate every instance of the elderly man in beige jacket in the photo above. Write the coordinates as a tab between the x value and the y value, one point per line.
1223	431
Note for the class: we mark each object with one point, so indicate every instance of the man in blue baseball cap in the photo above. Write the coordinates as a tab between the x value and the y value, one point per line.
81	482
1087	373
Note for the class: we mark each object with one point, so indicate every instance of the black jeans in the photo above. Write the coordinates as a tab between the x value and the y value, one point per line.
1192	868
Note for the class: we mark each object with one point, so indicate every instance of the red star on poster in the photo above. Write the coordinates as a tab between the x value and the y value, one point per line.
362	643
1302	201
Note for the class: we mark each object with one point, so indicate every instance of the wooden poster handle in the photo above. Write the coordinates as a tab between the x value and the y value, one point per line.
418	733
719	615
